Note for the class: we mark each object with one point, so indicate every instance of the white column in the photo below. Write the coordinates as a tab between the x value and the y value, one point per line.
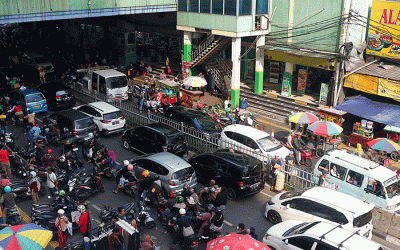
235	83
259	74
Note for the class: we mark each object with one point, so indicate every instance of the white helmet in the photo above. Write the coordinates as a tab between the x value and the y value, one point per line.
61	211
182	211
126	163
81	209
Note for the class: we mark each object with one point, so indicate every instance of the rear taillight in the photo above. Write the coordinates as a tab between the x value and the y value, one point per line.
27	105
75	133
95	127
194	243
171	183
105	121
165	148
45	101
122	117
58	97
241	185
73	93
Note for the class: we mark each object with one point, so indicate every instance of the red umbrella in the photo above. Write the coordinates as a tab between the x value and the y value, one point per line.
234	241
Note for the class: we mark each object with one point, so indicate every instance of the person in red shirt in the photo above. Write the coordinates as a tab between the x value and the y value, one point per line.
83	221
5	162
17	109
34	186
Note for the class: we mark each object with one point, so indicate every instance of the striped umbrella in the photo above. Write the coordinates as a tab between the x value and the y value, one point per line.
384	144
303	118
24	237
325	128
194	81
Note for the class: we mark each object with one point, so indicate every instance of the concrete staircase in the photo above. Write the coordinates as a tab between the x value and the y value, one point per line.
209	49
275	107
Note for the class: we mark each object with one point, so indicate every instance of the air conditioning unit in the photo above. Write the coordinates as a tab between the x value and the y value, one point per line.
264	21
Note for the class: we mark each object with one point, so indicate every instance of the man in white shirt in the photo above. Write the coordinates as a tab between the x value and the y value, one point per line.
51	180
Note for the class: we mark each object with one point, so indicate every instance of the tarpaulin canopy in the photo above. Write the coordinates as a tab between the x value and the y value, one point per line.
375	111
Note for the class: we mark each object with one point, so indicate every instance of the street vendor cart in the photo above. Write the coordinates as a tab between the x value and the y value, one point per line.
331	115
393	133
189	97
168	88
362	133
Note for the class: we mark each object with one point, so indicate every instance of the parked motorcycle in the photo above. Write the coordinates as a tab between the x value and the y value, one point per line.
8	139
90	149
21	190
144	219
84	185
14	216
108	213
306	156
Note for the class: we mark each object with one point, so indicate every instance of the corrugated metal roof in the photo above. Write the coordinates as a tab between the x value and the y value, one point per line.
299	51
386	71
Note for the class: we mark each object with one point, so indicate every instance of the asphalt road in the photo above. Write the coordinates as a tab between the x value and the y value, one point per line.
249	211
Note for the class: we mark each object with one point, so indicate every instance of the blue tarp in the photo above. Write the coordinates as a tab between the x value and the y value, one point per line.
375	111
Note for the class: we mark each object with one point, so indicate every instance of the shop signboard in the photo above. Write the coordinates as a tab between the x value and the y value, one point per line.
323	95
389	88
302	81
383	34
287	84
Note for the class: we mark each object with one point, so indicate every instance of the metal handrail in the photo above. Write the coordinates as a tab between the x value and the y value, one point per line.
203	46
225	66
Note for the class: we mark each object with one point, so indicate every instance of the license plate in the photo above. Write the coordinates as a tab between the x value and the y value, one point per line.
36	106
116	122
75	149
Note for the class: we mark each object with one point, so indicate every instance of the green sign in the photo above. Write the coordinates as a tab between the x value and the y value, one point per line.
323	95
287	84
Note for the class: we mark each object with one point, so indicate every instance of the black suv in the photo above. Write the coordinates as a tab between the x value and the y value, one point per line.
58	95
79	124
154	138
241	174
195	119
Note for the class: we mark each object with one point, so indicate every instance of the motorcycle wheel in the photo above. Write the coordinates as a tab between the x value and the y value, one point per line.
102	188
319	152
80	194
308	163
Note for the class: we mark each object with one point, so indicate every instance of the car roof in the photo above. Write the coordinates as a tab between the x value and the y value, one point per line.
103	106
109	72
234	156
188	111
163	128
338	199
169	160
361	165
247	130
74	114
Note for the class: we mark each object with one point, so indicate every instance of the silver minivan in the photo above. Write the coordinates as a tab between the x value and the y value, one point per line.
174	171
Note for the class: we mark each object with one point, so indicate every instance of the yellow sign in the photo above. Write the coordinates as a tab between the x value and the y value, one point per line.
314	62
384	29
389	89
364	83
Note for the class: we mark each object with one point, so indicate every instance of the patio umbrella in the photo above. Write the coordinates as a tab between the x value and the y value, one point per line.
303	118
325	128
384	144
234	241
24	237
194	81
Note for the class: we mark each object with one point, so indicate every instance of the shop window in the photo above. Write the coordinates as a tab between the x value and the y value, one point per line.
261	7
182	5
205	6
230	7
217	6
193	5
244	7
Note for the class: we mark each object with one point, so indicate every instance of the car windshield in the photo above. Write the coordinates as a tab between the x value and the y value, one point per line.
291	194
392	187
269	144
183	173
300	229
63	92
205	123
117	82
175	138
113	115
34	98
84	123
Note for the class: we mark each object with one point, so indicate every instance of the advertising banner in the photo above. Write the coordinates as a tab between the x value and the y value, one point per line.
287	84
384	32
323	95
389	89
302	81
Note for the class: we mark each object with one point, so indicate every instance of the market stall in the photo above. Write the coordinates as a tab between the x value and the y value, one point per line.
189	97
362	133
168	88
331	115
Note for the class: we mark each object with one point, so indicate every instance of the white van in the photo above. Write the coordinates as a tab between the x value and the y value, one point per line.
108	82
361	178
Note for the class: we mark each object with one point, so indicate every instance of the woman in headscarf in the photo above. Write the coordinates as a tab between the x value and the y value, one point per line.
148	243
62	226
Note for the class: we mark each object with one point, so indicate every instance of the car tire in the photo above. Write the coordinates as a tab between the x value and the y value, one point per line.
308	163
274	217
319	152
126	145
231	194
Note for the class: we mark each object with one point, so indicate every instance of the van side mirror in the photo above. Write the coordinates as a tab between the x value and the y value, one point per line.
286	241
287	206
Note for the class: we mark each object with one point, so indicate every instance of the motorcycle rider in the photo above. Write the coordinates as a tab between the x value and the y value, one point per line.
33	134
184	225
178	205
228	112
8	201
212	221
164	102
123	180
94	147
17	110
34	186
298	144
30	117
145	183
3	121
48	160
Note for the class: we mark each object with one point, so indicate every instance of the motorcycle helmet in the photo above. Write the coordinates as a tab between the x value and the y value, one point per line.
33	174
126	163
90	134
130	167
179	199
228	110
81	209
212	190
7	189
61	193
146	173
61	211
62	158
182	211
50	151
251	114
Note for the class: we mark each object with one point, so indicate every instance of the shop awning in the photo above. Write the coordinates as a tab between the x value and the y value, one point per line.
375	111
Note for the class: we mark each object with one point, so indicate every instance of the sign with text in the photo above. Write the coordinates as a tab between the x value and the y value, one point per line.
302	81
287	84
384	29
323	95
389	88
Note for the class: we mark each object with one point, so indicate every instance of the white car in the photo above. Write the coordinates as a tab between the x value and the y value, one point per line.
297	235
322	204
107	118
252	141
